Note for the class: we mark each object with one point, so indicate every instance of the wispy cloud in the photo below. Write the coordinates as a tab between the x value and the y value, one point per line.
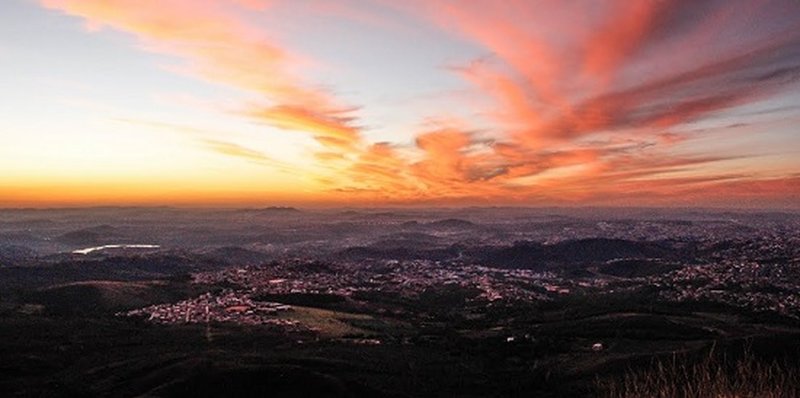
588	100
236	150
571	81
216	43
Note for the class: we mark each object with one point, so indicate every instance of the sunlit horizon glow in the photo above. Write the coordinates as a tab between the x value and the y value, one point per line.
380	103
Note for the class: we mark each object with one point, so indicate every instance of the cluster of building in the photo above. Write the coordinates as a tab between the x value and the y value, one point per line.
653	230
228	306
405	279
761	274
758	287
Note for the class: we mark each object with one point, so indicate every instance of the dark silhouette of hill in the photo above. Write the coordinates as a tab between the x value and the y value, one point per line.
344	227
104	229
83	237
281	238
279	209
30	223
412	236
88	236
98	297
14	255
18	238
402	244
273	210
396	253
238	255
116	268
385	214
582	251
519	255
451	223
411	240
601	249
636	268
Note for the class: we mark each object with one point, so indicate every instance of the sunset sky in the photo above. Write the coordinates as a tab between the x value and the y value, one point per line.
421	102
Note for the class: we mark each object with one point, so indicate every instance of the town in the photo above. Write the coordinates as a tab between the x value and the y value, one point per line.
748	285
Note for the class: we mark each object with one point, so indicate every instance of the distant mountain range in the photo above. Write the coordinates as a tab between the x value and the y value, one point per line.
534	255
527	255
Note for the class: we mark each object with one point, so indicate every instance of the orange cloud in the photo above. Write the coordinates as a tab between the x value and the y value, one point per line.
231	149
587	101
562	79
329	128
217	44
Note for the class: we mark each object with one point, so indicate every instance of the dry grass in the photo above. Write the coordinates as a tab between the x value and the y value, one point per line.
712	376
327	323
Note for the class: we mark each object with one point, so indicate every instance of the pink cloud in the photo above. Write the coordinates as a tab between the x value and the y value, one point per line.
587	98
218	45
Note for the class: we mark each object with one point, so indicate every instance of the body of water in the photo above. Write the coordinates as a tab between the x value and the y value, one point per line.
96	248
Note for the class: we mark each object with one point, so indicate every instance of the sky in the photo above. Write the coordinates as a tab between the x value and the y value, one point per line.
690	103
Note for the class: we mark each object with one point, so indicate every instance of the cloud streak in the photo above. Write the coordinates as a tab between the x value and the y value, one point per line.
586	100
217	44
565	92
